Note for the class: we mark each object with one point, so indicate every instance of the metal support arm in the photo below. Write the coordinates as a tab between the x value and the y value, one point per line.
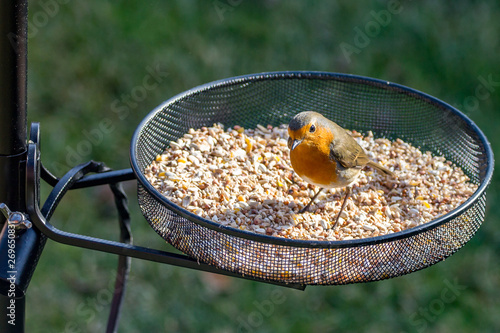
41	223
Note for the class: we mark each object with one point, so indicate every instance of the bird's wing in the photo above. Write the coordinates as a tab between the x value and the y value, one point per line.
348	153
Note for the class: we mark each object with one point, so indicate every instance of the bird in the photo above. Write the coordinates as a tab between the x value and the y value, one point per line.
324	154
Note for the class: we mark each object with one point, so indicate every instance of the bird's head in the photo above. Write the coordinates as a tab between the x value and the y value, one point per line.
304	127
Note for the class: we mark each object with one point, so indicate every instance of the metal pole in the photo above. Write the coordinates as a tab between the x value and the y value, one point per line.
13	123
13	69
13	133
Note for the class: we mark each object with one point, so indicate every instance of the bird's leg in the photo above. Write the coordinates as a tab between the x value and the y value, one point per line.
347	195
310	202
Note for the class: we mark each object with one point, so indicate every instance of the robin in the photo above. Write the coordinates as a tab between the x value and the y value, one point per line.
326	155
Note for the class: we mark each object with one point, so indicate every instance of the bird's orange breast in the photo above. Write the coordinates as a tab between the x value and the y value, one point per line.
311	159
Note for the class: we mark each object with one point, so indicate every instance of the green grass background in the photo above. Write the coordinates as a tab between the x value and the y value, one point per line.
88	57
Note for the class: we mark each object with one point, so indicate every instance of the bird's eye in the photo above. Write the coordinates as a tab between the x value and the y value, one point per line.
312	128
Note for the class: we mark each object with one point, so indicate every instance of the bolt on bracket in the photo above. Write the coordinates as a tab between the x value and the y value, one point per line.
17	219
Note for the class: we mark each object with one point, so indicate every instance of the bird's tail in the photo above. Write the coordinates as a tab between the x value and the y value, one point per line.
381	168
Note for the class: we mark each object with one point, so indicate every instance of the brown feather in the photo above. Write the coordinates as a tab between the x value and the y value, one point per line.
381	168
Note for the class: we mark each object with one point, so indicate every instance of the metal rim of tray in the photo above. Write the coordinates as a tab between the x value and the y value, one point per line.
369	103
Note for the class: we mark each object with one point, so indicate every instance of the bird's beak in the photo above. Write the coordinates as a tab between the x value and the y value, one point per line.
295	143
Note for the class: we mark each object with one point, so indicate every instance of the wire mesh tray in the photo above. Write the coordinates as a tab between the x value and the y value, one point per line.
354	102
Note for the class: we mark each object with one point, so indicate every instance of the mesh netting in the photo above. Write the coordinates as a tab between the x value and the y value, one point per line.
354	102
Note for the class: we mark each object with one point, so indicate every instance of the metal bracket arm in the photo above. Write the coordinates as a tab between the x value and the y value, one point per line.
41	223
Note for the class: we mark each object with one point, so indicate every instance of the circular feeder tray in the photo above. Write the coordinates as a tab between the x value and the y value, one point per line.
388	110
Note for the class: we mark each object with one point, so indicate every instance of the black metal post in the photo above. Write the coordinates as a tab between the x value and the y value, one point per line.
13	133
13	66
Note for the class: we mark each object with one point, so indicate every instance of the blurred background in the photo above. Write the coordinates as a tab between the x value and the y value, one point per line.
96	68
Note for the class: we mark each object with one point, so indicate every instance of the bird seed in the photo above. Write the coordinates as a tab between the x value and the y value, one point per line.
242	178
